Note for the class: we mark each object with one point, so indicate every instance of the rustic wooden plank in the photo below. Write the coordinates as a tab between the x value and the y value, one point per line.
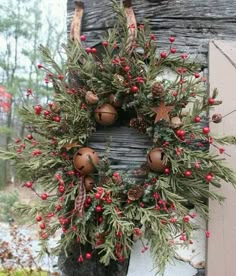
193	22
222	244
127	147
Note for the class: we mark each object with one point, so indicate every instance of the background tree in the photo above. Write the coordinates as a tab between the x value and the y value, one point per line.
22	30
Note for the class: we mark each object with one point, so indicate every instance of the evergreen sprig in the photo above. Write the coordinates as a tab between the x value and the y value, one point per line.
119	208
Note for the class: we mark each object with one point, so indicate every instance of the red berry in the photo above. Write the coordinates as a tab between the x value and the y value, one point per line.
19	151
221	150
171	39
175	94
42	226
40	66
93	50
156	195
153	37
82	37
100	190
29	184
29	91
61	189
98	209
50	215
164	221
119	234
129	76
121	259
38	109
173	220
88	255
34	143
44	196
89	200
134	89
44	235
127	68
100	219
109	200
58	207
163	54
193	215
184	56
186	219
83	106
88	50
80	259
197	165
17	140
98	195
57	119
105	43
187	173
211	140
183	237
197	119
167	170
197	75
211	101
173	50
116	175
208	234
206	130
180	133
60	77
71	173
38	218
29	136
137	231
209	177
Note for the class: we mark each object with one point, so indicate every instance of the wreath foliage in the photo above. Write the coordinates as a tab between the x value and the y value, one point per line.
81	193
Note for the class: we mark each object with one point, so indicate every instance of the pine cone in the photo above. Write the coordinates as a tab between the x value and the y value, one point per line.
157	89
138	124
135	192
119	78
216	118
55	108
91	98
175	122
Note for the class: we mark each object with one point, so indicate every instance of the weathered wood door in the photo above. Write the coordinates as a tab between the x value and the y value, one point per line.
193	22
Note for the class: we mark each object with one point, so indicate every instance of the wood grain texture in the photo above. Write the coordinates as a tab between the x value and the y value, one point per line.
193	22
127	147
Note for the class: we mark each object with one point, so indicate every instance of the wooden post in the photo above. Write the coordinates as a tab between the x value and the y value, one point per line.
222	224
76	23
131	24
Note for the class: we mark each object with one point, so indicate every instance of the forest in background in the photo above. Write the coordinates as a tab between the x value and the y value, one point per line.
24	25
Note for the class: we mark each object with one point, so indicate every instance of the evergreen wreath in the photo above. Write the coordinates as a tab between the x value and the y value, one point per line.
78	191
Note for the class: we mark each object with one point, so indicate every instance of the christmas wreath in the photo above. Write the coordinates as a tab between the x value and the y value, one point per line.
124	84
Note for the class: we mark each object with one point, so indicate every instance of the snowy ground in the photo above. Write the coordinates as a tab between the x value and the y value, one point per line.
186	264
